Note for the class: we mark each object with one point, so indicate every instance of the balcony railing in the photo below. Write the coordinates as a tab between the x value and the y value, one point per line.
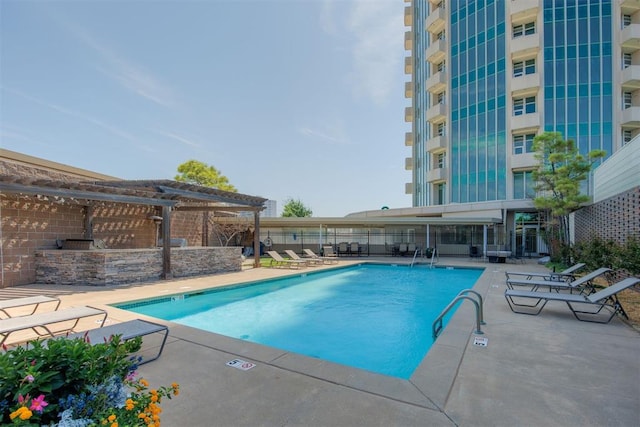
630	37
408	163
437	113
437	51
435	22
631	117
408	16
437	82
408	114
525	46
631	77
408	139
438	174
525	84
408	64
438	143
525	121
408	89
408	40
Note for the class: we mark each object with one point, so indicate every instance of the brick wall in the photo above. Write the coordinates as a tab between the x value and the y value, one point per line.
29	224
615	218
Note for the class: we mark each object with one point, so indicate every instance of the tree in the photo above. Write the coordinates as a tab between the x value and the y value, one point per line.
295	208
199	173
560	173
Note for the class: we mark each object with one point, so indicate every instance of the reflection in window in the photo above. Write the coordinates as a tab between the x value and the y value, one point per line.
524	105
523	185
523	143
524	29
626	100
521	68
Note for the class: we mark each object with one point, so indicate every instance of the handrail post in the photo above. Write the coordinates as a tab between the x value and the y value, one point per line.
460	296
465	291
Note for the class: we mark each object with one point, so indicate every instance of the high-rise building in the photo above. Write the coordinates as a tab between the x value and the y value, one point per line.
487	76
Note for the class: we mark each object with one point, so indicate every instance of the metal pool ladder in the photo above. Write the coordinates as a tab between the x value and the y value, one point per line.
437	324
415	254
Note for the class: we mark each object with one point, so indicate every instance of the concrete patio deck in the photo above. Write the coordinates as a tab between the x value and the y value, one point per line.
546	370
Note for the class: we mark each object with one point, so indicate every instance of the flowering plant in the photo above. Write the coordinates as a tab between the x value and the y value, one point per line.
72	383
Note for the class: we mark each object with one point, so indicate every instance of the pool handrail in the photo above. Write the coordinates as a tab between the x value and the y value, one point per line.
437	324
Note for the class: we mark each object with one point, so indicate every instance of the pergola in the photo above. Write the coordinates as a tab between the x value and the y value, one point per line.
165	194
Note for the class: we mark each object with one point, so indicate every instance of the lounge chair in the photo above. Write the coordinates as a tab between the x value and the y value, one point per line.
282	262
308	261
26	303
126	330
566	275
329	252
605	298
325	259
50	323
583	284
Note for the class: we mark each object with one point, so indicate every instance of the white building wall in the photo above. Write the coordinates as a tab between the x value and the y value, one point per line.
618	173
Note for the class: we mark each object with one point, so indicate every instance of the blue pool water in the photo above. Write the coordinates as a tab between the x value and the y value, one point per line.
373	317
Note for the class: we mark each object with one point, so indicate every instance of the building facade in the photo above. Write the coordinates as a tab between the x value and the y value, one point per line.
487	76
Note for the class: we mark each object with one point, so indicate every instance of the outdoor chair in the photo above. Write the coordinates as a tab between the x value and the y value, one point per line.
583	284
411	248
354	248
403	249
343	248
328	259
22	305
566	275
278	261
474	252
605	299
308	261
126	330
50	323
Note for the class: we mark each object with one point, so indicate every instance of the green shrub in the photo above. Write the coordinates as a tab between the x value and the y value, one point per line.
72	382
597	253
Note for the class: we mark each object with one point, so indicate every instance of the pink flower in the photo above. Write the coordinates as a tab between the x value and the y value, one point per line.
29	378
38	403
22	400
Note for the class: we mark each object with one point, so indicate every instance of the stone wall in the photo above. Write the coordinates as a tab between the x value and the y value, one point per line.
116	267
615	218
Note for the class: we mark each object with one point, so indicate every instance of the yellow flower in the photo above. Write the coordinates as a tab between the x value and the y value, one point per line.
22	412
111	418
176	392
114	424
174	385
144	382
142	415
154	397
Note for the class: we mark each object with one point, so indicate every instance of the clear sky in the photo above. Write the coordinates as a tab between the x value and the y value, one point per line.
299	99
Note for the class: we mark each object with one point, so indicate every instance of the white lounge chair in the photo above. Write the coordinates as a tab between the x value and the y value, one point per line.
603	299
278	261
329	252
325	259
584	283
22	304
126	331
566	275
50	323
309	261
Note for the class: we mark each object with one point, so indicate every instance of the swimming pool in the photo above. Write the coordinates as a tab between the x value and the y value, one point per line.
373	317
